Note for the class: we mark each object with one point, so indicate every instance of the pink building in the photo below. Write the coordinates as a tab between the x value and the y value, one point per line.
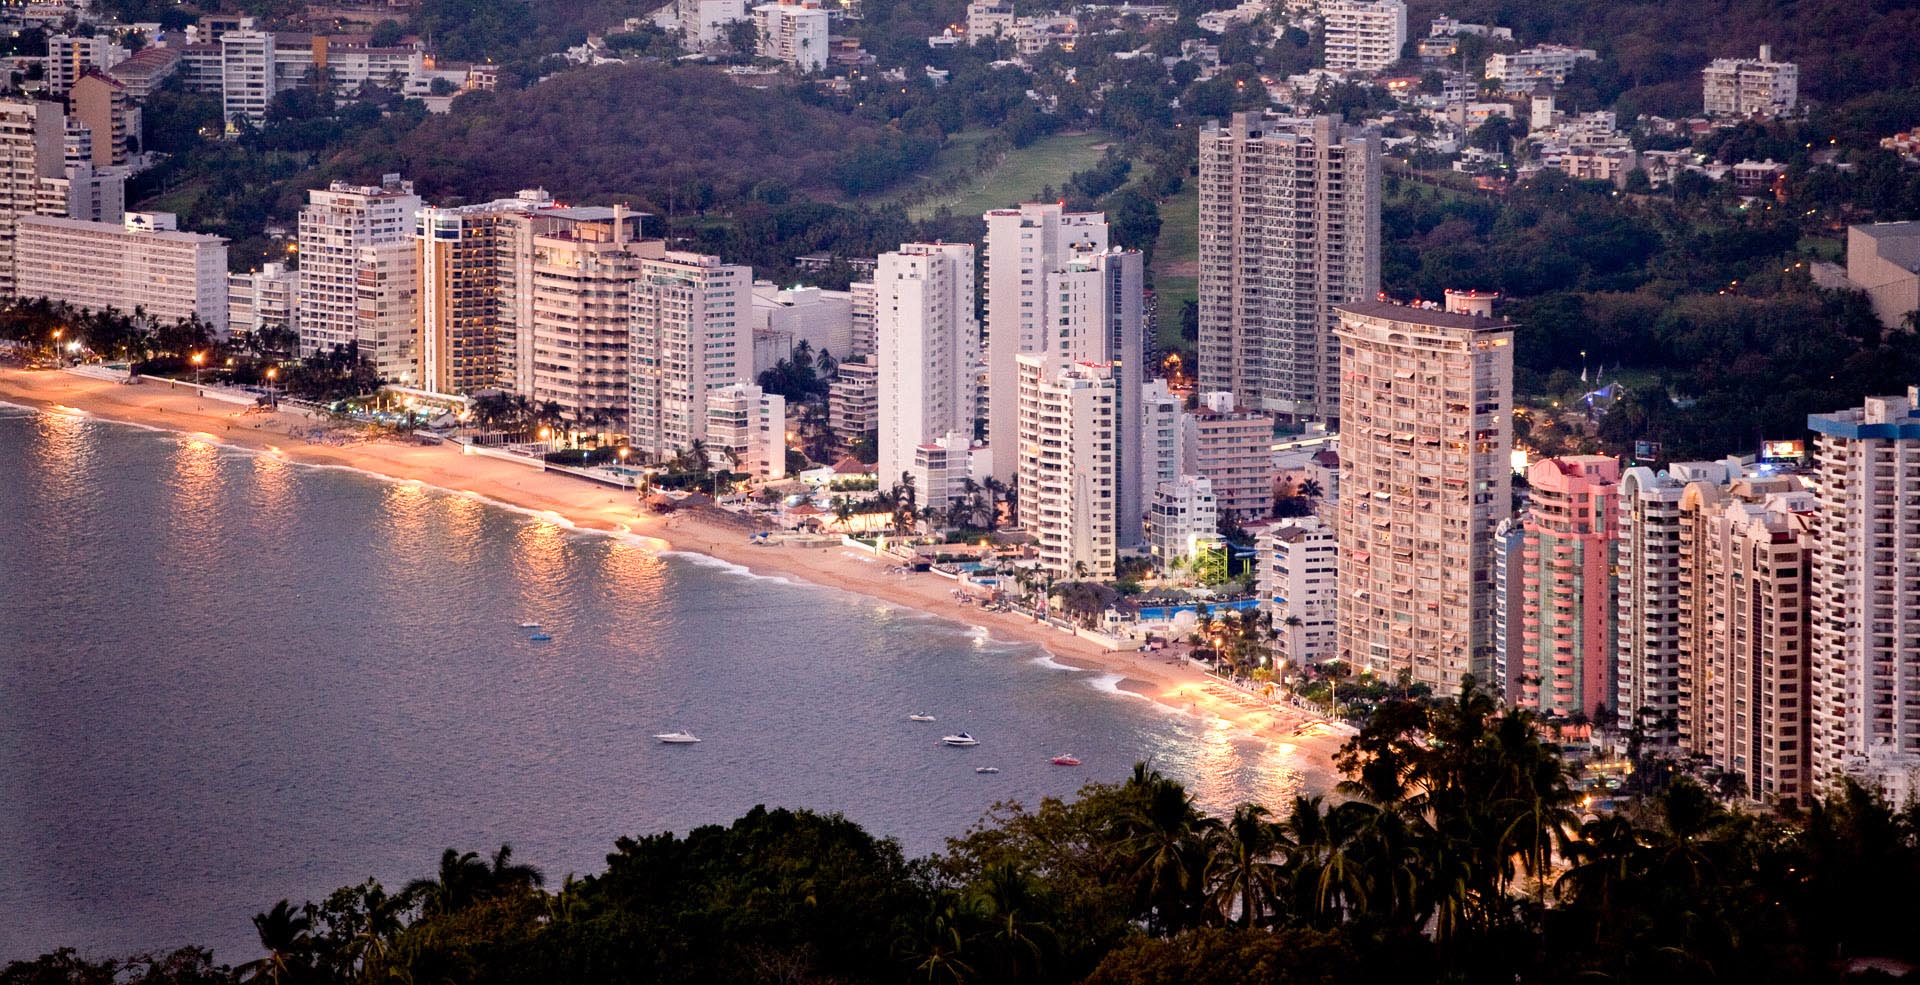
1566	582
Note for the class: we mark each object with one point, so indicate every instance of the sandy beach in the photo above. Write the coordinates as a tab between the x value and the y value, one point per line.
1170	681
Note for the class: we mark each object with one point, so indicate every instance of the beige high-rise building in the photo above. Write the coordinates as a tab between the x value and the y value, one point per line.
32	169
1426	404
386	291
1067	474
1289	229
1648	673
1363	35
567	307
337	227
463	255
1232	447
1866	594
1746	553
692	334
100	103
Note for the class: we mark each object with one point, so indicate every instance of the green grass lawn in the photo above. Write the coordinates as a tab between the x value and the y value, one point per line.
1176	262
1018	177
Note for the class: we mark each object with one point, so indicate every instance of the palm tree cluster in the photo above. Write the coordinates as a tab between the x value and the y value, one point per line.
1457	850
134	336
1240	641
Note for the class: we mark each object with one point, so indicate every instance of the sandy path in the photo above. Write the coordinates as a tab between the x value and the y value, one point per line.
153	403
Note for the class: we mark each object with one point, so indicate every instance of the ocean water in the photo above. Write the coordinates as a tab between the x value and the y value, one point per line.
227	679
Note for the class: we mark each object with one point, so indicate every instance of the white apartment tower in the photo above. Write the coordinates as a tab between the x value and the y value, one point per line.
691	335
1289	228
1299	584
1160	418
246	77
143	263
32	150
1023	247
1181	518
1363	35
1426	403
69	57
1066	479
1866	593
264	299
794	32
927	342
746	429
339	229
1749	86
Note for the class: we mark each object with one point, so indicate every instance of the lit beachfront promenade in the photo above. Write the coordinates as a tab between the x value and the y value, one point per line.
1173	683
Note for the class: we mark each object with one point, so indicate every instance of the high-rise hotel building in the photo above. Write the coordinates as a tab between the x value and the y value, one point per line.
1564	650
1866	593
1068	468
1426	404
350	233
692	335
462	252
928	343
1289	229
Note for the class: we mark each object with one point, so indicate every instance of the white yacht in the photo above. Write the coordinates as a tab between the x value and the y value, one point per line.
960	739
677	738
921	717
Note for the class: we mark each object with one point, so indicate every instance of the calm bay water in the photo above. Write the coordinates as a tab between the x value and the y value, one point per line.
226	679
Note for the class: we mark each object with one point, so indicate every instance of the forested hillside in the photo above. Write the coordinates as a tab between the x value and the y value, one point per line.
1652	50
673	138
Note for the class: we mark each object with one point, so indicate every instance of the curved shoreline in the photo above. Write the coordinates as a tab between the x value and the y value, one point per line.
566	501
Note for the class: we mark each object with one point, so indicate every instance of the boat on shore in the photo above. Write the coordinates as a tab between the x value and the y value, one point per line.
1065	761
921	717
677	738
960	739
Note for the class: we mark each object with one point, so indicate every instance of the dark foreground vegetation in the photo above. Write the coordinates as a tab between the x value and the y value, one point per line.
1456	852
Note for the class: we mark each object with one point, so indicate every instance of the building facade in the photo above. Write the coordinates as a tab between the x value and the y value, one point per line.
928	341
853	401
144	263
746	429
1566	579
1289	229
1299	584
1066	480
1181	518
794	32
337	226
691	335
1233	448
1363	35
32	162
1426	478
1866	593
1750	86
462	255
264	300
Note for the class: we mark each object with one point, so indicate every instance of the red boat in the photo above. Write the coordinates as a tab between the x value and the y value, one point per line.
1065	761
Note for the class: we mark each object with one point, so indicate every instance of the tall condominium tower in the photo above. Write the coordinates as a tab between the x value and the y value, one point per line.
1866	593
32	150
339	227
1426	398
1747	548
1565	568
1067	474
691	335
462	258
1648	673
1363	35
1023	247
928	342
1289	228
567	307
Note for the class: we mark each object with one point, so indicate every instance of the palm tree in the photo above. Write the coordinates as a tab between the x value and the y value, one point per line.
461	881
286	933
935	950
1242	874
1165	835
1008	902
1310	489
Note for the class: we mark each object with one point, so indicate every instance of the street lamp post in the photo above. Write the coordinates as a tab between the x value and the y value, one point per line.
273	373
199	358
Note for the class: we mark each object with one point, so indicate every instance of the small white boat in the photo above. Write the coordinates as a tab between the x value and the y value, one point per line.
676	738
961	739
1065	760
986	769
529	625
921	717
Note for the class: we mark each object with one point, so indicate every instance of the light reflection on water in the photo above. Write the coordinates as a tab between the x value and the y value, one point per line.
229	679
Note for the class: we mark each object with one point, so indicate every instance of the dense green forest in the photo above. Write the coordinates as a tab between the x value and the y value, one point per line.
1458	851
